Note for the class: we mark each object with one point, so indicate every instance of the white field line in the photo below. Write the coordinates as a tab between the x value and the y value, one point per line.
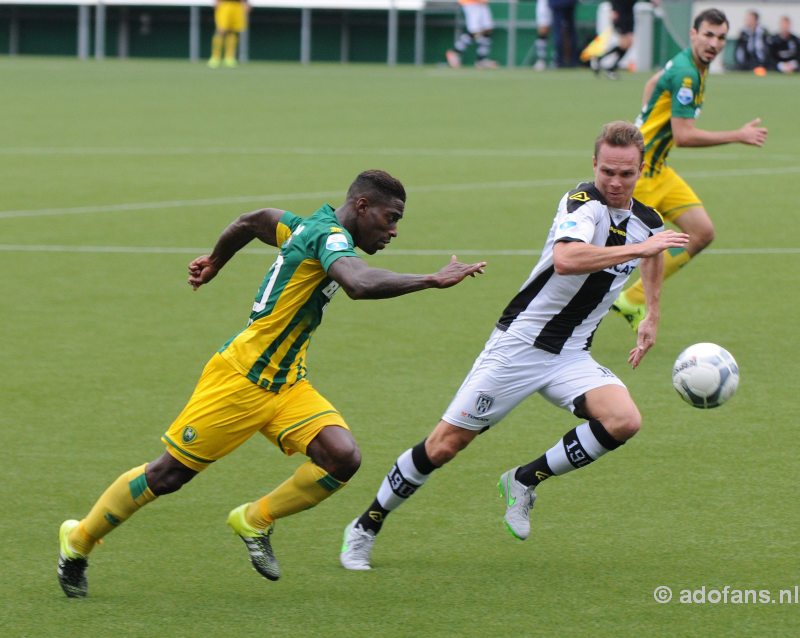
492	252
88	151
321	195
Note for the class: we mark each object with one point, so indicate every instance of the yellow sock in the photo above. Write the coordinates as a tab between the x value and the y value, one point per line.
216	47
231	41
674	260
116	505
307	487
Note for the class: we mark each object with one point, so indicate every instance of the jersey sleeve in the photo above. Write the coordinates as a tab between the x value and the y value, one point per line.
286	225
332	243
684	87
576	217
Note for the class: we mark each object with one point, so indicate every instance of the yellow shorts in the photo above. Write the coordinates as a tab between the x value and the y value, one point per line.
226	409
667	193
230	16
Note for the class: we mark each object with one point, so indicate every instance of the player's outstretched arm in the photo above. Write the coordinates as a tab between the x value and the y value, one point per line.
361	281
577	257
687	134
260	224
652	270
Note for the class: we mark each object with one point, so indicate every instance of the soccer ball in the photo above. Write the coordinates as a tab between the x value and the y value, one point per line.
705	375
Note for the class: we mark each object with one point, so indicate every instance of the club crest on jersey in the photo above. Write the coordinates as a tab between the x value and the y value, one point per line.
483	403
580	196
336	242
685	95
189	434
567	224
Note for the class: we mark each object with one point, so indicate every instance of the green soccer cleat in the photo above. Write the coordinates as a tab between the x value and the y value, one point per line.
257	543
519	501
71	565
632	313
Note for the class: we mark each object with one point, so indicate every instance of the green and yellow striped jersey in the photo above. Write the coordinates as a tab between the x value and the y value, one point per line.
289	304
679	92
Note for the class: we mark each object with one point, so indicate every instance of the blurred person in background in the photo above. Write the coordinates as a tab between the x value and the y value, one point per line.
785	48
230	19
479	25
752	49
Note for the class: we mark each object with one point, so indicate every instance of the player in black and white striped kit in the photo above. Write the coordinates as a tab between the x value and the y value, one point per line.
541	344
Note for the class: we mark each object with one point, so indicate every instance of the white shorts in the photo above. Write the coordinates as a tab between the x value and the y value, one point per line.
544	15
510	370
478	17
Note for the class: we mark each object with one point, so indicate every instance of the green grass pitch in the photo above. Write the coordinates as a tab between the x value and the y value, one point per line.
116	174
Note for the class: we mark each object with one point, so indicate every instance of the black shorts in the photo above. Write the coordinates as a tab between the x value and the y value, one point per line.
624	15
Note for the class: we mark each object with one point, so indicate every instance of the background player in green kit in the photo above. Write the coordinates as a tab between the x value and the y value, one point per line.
671	102
257	381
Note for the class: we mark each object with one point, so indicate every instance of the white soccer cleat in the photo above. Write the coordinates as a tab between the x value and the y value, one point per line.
519	500
357	547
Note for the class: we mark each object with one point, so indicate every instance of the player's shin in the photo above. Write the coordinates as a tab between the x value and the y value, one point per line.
308	486
409	472
577	448
118	503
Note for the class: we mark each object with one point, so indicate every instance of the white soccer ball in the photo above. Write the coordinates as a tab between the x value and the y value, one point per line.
705	375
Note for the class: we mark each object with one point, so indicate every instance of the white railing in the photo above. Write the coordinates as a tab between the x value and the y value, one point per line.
304	6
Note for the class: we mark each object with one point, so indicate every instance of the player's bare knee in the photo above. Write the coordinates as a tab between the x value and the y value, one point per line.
442	451
703	238
345	462
624	426
335	450
165	476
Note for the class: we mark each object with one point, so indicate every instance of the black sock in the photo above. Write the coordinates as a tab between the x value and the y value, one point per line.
372	519
408	474
534	472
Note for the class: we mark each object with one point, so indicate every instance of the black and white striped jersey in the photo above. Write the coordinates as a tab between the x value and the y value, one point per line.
560	313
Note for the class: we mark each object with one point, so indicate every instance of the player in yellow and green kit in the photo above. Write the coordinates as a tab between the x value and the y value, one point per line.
672	101
256	383
230	19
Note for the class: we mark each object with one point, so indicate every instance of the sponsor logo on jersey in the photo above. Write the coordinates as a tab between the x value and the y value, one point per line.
467	415
189	434
580	196
685	95
336	229
336	242
617	231
567	224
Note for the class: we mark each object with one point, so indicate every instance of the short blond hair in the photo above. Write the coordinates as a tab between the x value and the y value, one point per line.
620	133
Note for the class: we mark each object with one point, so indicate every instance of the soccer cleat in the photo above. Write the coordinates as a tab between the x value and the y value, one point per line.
231	63
213	63
453	59
257	543
357	547
71	565
485	63
519	500
631	312
540	65
594	65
